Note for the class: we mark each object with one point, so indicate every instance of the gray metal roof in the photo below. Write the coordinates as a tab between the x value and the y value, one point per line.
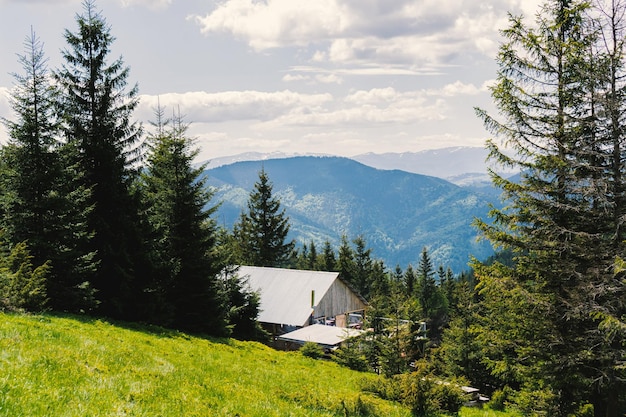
324	335
285	294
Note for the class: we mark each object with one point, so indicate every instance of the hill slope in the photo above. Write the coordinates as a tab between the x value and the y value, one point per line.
68	366
397	212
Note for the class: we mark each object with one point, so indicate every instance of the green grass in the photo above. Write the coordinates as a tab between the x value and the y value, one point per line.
71	366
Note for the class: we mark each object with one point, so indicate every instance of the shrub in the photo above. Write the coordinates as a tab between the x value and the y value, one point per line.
312	350
425	394
537	402
351	355
499	399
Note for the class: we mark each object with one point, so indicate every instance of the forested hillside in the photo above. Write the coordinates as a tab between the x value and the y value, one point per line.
397	213
103	216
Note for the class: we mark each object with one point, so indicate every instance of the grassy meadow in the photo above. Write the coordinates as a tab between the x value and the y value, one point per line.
73	366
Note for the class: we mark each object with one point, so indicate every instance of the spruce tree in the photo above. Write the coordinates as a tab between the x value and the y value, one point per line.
22	284
328	255
555	101
97	109
261	232
346	265
184	236
426	285
363	265
41	200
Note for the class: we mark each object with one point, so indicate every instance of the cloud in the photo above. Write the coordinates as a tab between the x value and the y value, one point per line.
458	88
46	2
234	105
5	107
364	109
150	4
286	109
275	23
402	32
5	111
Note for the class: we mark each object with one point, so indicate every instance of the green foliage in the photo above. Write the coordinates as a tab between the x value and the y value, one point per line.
183	235
242	306
559	95
261	231
425	394
500	398
351	355
538	402
585	410
39	196
22	285
97	111
312	350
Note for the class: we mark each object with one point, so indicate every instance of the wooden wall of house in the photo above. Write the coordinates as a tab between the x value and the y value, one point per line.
339	299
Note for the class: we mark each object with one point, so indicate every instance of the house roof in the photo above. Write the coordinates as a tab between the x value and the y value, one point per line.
286	293
324	335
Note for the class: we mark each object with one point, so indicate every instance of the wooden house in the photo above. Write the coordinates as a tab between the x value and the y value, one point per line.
291	299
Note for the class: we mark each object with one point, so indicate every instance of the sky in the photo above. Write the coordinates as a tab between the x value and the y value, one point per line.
336	77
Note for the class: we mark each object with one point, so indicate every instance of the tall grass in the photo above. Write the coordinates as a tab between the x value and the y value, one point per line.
64	366
72	366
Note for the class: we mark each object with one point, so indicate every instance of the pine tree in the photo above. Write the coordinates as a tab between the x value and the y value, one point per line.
410	280
345	261
97	110
184	236
312	258
261	232
328	256
426	284
41	200
561	222
430	297
22	284
243	307
363	265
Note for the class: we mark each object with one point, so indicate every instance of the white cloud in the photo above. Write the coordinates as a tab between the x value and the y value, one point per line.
5	111
296	77
459	88
150	4
402	32
5	107
276	22
329	79
267	111
46	2
365	109
234	105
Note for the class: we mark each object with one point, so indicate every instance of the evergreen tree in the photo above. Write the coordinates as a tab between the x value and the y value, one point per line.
22	284
430	298
302	257
97	110
328	257
363	265
410	280
561	111
41	200
262	231
345	261
312	258
243	307
184	234
426	284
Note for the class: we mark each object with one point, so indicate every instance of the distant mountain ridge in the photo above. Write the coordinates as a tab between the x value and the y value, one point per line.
465	166
397	212
443	163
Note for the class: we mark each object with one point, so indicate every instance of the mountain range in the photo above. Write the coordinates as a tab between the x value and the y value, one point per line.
395	211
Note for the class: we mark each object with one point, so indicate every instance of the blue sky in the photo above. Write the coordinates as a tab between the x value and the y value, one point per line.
339	77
